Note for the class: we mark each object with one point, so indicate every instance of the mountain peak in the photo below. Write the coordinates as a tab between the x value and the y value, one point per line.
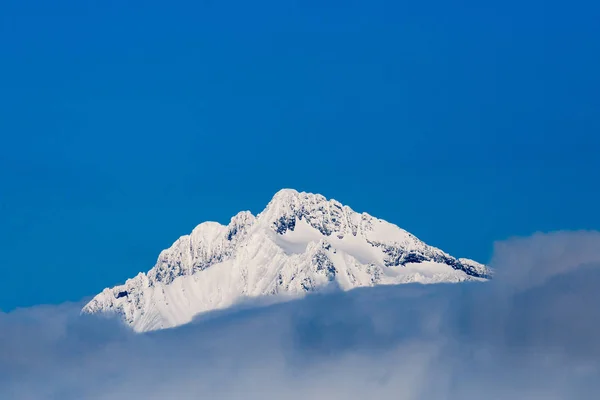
301	242
289	206
285	193
291	198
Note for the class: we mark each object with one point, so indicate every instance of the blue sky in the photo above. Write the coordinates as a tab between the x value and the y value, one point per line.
122	126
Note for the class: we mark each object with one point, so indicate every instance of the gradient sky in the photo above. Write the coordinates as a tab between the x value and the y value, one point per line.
125	124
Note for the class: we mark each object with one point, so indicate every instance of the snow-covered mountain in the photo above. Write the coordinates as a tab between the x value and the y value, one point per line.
300	243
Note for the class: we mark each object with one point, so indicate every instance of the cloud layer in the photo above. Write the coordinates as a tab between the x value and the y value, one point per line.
532	333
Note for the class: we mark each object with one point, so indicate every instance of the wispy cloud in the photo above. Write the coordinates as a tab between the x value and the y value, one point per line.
530	334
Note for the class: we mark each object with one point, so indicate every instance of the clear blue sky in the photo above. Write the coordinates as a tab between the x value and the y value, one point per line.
125	124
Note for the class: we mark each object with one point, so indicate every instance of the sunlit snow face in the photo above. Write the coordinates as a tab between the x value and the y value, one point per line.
530	334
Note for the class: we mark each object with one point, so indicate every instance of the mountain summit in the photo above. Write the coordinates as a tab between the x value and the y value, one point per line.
300	243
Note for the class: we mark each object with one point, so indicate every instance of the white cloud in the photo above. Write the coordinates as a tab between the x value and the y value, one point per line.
530	334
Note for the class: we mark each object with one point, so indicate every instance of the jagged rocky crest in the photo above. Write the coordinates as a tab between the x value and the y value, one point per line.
300	243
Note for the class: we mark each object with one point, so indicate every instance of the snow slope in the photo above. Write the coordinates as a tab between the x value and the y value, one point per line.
300	243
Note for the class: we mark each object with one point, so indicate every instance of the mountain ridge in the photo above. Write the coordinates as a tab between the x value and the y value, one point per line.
300	243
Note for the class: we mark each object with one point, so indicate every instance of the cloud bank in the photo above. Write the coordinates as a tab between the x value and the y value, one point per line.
532	333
